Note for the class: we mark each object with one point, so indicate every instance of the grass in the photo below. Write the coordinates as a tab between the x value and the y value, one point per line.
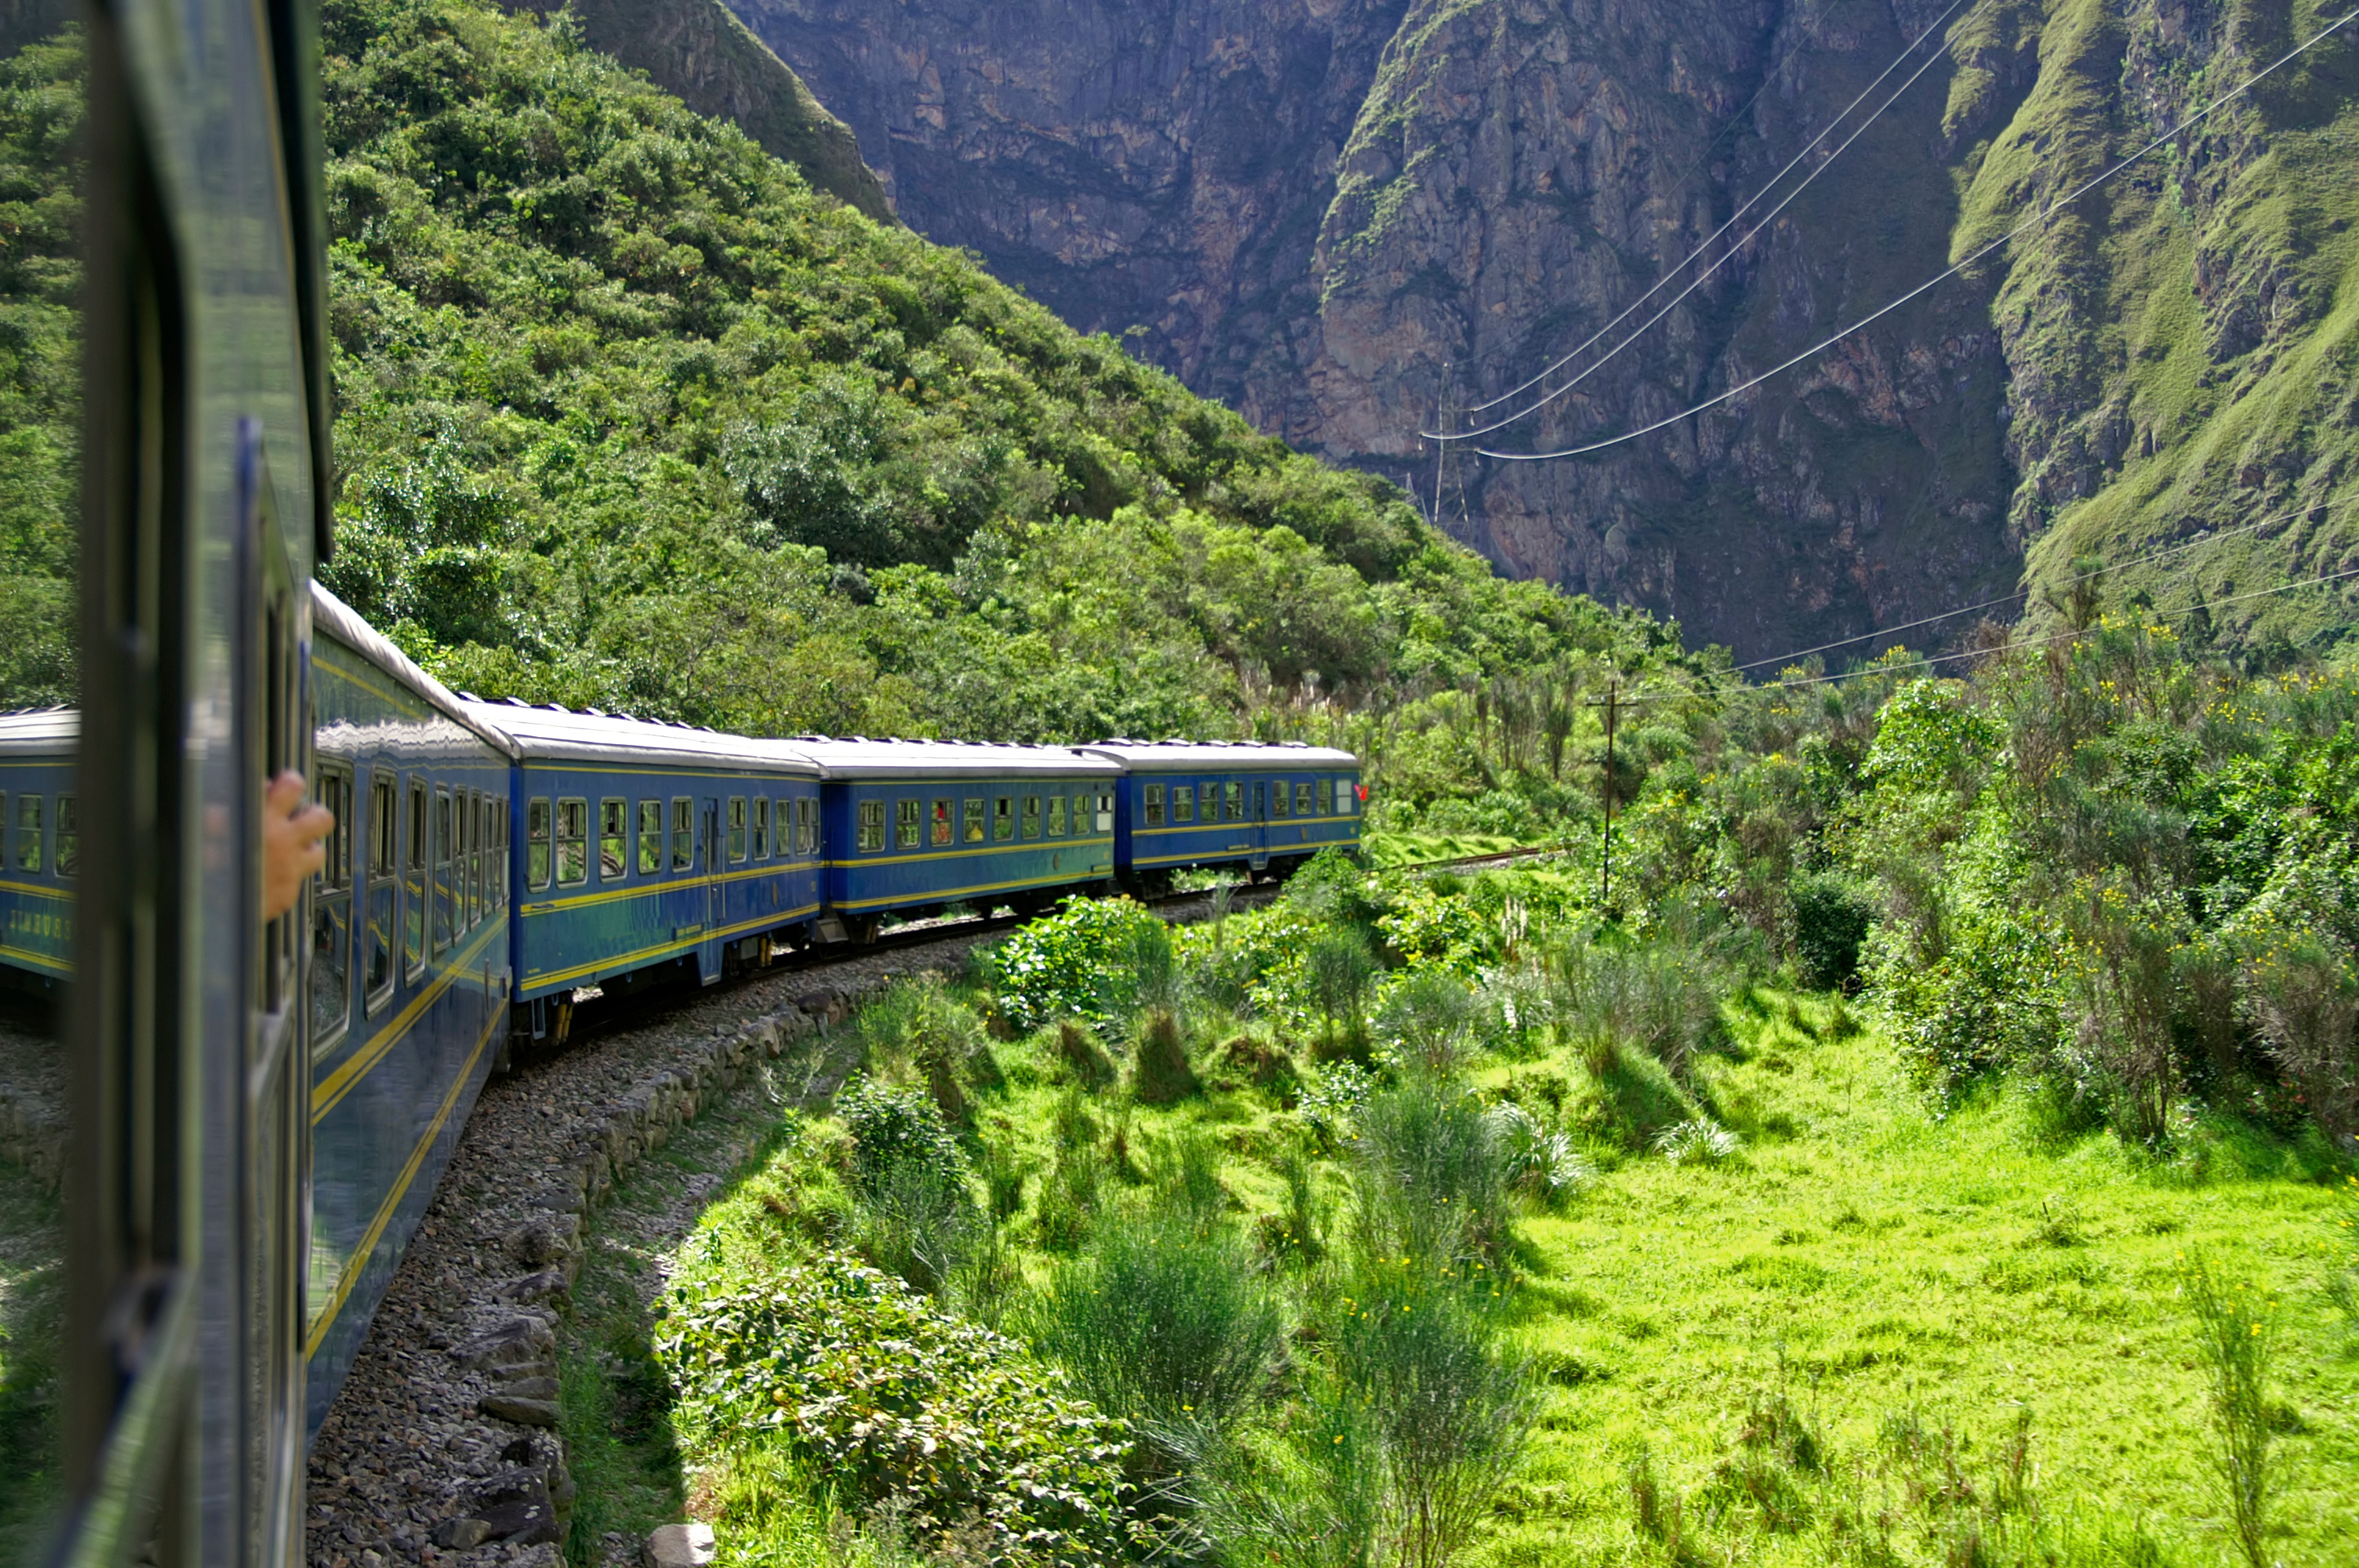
1387	850
1870	1331
32	1280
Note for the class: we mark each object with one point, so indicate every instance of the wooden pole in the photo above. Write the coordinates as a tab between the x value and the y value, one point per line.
1605	866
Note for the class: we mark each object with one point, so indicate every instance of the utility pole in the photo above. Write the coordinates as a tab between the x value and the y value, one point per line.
1612	705
1441	449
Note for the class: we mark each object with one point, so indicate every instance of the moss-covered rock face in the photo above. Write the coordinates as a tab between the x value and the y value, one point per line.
1472	188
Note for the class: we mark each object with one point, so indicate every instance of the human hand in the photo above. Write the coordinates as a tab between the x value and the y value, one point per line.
292	831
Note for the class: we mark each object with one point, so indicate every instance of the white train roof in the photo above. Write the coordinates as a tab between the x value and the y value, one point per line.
858	757
341	622
556	734
1218	756
40	732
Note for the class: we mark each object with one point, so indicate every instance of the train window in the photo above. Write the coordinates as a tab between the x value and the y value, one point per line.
613	839
1056	817
1261	803
473	862
1326	797
736	829
1302	797
1277	799
332	914
29	844
907	827
807	825
69	838
683	834
376	948
413	901
1232	808
973	819
651	837
1082	813
537	862
1106	811
1003	818
1031	817
499	858
941	821
1183	802
761	828
572	843
872	826
1154	808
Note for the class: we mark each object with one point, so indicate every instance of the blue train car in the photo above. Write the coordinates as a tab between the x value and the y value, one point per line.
647	849
41	844
915	825
408	980
1197	803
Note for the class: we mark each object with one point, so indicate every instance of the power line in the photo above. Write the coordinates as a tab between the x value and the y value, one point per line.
1725	256
1942	276
2168	550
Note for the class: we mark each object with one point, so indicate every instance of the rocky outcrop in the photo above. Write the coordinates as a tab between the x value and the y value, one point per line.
1347	216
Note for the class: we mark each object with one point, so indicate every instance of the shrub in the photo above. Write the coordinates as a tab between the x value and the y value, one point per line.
1331	1102
912	1221
1057	967
1429	1184
1629	1099
917	1023
1067	1205
2303	996
2235	1333
1159	1071
892	1398
1308	1496
1080	1052
1165	1321
1428	1018
1339	971
1662	997
897	1128
1832	914
1534	1158
1701	1142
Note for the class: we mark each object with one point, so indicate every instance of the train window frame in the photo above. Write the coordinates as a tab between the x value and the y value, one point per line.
1326	788
1106	811
65	856
1183	805
414	880
1029	818
472	826
807	823
736	820
577	808
328	970
30	855
1261	801
500	857
1303	795
1057	814
1279	799
945	825
614	839
649	856
972	828
539	844
1347	797
683	834
384	883
1003	818
909	822
761	828
868	827
1233	801
1081	802
1150	805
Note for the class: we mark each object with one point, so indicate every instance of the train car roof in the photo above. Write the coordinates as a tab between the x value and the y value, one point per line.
858	757
334	616
40	732
555	734
1217	756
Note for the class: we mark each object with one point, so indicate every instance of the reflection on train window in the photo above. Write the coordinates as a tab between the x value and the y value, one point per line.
613	835
28	844
905	829
1302	798
1105	812
331	913
683	834
761	828
1031	817
376	943
1234	810
974	820
470	863
537	862
650	838
69	838
736	829
1056	817
871	834
572	843
941	822
1154	811
413	900
1277	799
1326	797
1347	798
807	825
1003	818
499	858
1183	802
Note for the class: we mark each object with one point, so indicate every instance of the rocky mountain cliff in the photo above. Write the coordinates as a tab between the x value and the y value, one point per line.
1345	217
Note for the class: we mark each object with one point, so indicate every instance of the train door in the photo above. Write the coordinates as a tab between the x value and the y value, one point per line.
1260	859
716	894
